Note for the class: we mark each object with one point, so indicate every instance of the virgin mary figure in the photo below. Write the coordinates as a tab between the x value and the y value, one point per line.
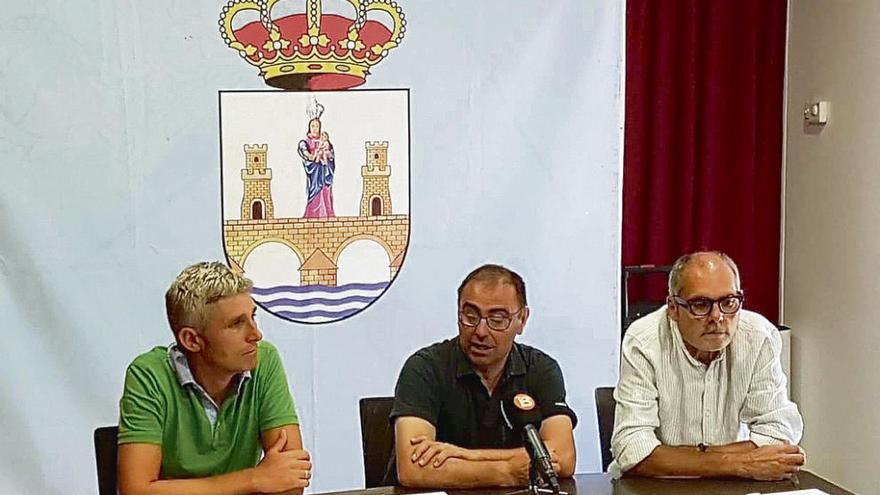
319	163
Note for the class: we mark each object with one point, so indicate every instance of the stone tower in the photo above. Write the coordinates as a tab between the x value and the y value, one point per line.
256	203
376	198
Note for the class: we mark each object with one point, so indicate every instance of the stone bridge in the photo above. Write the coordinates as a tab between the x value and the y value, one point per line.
317	242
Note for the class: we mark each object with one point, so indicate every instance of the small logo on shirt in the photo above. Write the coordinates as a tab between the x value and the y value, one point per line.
524	402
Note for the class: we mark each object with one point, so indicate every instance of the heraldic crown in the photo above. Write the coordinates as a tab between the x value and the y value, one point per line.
312	50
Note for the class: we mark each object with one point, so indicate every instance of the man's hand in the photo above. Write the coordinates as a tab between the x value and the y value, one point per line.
521	463
772	462
427	451
280	470
554	460
519	467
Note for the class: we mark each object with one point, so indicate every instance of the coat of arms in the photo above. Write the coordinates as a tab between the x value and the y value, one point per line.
315	184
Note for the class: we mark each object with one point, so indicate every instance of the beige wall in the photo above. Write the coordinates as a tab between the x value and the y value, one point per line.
831	290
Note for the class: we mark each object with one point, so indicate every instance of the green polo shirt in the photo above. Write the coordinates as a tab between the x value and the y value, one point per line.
155	408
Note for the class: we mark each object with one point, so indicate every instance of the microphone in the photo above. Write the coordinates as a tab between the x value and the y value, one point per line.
521	413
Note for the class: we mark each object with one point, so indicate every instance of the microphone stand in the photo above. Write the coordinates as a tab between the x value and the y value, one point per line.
535	481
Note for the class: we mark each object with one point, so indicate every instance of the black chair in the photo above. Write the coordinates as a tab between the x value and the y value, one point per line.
105	459
654	277
605	413
377	438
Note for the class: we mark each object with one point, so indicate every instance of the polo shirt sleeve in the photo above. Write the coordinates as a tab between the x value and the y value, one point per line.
546	384
417	392
141	408
273	394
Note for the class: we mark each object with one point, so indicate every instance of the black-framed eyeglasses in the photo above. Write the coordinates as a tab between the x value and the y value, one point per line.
495	321
702	306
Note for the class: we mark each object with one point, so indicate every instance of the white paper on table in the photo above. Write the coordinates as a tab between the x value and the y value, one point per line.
807	491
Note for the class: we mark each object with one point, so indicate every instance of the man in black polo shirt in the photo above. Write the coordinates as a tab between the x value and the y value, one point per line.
449	431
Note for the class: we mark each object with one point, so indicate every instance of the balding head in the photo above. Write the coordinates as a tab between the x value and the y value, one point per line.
704	262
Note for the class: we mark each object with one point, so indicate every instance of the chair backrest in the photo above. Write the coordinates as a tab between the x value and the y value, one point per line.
377	438
605	413
650	288
105	458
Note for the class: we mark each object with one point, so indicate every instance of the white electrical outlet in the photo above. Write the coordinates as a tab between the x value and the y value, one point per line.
816	113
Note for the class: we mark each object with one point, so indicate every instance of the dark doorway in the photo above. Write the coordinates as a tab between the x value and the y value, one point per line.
376	207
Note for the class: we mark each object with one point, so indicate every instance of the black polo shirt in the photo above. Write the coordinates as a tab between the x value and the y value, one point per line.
439	385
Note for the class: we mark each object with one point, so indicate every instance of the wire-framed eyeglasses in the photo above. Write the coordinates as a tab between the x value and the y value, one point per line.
499	321
702	306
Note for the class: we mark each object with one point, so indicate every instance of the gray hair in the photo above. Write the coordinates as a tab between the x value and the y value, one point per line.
197	287
677	273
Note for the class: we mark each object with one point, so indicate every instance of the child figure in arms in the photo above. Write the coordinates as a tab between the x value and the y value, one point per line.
323	152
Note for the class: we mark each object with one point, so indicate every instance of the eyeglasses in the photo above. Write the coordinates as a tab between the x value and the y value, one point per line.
702	306
495	321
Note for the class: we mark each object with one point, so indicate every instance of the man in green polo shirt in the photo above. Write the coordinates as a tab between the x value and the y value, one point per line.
196	417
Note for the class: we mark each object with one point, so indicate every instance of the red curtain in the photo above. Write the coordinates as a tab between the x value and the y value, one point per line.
703	136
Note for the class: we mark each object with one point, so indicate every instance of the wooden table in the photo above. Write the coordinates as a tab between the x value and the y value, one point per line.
602	484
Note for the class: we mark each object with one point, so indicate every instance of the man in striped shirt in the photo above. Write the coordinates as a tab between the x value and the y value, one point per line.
701	390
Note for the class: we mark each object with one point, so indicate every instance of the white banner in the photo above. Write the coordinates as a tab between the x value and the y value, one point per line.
110	133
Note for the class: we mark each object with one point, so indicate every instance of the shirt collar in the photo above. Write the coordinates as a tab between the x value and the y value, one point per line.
180	365
515	364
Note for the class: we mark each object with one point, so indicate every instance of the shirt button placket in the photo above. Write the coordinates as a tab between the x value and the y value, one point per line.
708	399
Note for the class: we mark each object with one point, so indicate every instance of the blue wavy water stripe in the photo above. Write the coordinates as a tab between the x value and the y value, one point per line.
317	300
335	315
317	288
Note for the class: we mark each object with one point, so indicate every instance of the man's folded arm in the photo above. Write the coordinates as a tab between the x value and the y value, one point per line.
548	386
270	437
458	467
636	416
690	461
282	468
139	465
771	417
557	433
294	442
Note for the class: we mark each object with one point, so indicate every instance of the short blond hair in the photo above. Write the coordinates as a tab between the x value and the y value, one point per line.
197	287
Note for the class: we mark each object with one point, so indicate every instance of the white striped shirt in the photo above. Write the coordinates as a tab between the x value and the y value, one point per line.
665	396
